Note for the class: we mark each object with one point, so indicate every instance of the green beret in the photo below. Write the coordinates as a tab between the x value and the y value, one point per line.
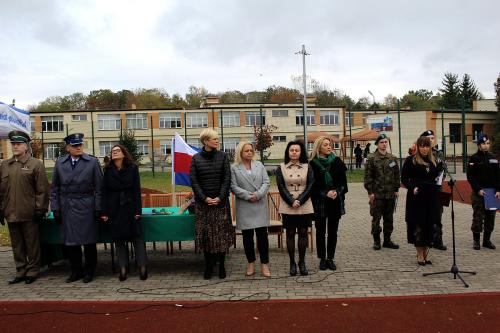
381	137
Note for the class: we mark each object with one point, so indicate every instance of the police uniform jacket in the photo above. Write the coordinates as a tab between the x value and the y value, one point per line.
76	194
24	189
483	171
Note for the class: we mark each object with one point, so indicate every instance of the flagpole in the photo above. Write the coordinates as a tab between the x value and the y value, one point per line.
174	200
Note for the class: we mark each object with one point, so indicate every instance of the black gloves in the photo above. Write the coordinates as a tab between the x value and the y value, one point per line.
57	216
39	217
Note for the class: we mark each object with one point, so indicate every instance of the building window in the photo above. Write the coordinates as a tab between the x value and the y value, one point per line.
51	150
79	117
32	122
230	144
349	118
455	133
170	120
166	147
279	138
299	118
105	147
194	142
329	118
52	123
143	147
476	130
252	118
280	113
231	119
109	122
197	119
137	120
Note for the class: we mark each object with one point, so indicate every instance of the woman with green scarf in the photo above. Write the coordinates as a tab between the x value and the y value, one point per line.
329	189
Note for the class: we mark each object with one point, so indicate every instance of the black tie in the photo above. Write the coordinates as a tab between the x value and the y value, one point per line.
73	163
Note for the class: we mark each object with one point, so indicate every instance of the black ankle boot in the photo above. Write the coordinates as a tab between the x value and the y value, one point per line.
388	243
376	242
302	268
322	265
487	242
438	244
207	275
477	238
222	268
293	268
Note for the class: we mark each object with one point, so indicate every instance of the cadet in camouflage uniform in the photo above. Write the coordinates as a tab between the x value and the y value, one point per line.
483	172
382	182
438	227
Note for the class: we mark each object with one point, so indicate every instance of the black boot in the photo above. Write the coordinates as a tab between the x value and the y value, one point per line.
477	239
207	275
222	268
322	265
438	243
376	242
293	268
302	268
487	242
388	243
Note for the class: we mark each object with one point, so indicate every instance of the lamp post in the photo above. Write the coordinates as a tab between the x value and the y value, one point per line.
304	108
370	92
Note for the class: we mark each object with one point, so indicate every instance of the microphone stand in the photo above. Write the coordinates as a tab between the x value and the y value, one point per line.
454	268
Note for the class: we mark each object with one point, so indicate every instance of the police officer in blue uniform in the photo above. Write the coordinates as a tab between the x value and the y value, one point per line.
76	204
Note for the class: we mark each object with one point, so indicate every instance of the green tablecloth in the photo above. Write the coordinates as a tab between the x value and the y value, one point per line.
155	228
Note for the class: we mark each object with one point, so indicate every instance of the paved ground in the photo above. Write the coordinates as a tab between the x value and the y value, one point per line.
362	271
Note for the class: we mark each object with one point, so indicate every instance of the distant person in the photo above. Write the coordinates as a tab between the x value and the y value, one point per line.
250	184
420	175
483	172
211	182
358	152
76	204
382	184
122	208
328	195
24	199
366	151
295	180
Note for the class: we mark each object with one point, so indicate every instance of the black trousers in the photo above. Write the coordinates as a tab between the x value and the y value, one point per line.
75	258
326	251
262	244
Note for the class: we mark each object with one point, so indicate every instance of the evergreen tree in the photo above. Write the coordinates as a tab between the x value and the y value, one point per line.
468	91
450	92
496	128
127	139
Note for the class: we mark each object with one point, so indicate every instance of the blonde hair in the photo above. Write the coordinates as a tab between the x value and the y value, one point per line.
424	141
317	145
208	134
239	150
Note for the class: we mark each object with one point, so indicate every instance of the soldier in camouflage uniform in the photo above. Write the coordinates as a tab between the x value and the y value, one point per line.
483	172
382	182
438	227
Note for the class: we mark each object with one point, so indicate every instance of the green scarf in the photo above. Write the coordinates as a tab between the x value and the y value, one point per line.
324	165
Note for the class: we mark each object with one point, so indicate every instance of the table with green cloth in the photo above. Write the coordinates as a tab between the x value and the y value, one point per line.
155	228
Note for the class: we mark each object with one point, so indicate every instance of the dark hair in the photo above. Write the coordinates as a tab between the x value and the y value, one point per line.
303	152
127	158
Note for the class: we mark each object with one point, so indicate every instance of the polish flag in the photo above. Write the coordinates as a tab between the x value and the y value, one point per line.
183	153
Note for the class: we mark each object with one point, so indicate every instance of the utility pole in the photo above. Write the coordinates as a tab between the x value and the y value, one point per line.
304	80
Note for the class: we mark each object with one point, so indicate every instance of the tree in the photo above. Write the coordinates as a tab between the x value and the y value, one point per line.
450	92
102	99
234	96
468	91
421	99
127	139
195	96
36	147
362	104
496	127
255	97
263	139
151	98
281	95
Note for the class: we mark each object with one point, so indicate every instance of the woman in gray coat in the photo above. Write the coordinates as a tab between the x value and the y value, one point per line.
250	183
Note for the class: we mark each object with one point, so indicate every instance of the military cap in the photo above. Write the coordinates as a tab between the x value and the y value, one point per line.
427	133
482	138
74	139
381	137
19	136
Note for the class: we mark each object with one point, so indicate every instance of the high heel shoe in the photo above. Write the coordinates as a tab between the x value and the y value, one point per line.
143	274
265	271
419	256
426	253
250	269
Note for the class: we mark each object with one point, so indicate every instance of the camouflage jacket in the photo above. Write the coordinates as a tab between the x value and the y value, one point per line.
382	175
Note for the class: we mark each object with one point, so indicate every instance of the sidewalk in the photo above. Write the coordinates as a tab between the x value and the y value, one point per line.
361	272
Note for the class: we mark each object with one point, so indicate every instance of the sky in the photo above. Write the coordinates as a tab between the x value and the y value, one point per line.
51	47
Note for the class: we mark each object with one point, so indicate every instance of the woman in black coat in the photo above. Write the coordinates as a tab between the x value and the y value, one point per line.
421	175
210	176
122	207
328	194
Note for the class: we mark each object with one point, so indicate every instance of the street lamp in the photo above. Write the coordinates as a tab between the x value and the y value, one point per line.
304	108
369	91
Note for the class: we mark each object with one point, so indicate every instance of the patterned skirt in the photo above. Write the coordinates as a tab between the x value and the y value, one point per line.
214	230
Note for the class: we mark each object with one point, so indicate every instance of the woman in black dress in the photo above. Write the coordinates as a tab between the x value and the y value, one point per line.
122	207
421	175
210	176
295	179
